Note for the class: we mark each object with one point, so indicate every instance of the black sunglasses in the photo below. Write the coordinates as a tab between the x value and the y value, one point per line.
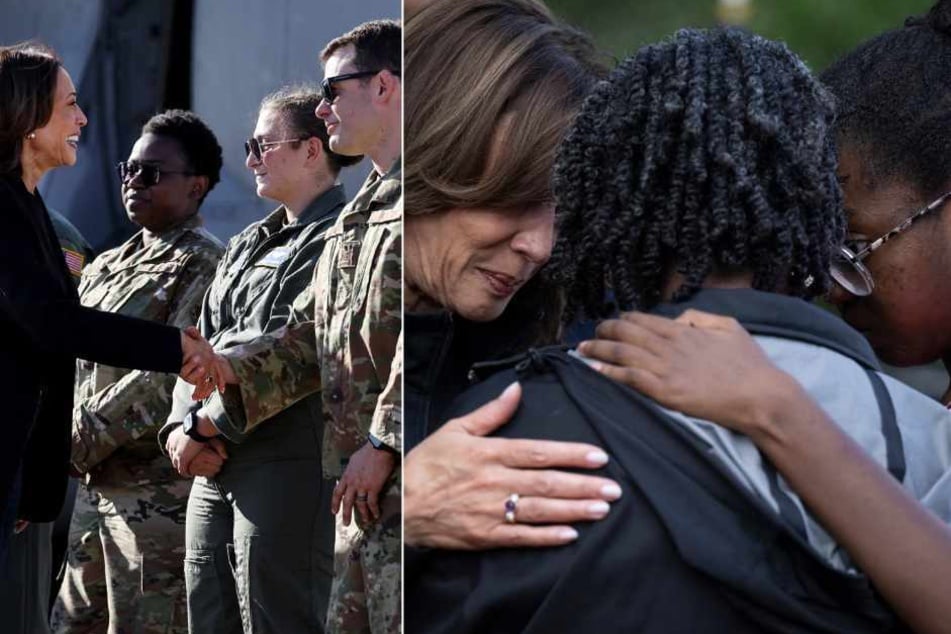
148	175
327	85
258	148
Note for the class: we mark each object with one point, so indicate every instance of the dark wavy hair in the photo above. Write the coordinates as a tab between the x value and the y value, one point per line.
28	74
711	151
199	144
894	101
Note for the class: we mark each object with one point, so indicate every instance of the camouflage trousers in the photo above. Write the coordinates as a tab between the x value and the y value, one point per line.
365	596
124	564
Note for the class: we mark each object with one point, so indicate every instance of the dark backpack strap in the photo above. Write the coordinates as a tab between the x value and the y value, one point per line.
894	447
787	508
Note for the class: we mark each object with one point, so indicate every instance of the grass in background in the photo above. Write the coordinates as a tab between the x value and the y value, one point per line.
817	30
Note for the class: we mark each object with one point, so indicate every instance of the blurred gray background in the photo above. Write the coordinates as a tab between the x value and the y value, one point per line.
132	58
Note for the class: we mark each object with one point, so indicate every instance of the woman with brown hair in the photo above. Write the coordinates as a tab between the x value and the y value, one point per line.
491	88
281	545
43	324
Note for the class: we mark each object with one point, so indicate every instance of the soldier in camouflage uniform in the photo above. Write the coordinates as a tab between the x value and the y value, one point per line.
357	303
260	534
126	546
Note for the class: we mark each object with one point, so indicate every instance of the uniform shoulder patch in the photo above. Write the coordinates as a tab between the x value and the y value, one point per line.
74	261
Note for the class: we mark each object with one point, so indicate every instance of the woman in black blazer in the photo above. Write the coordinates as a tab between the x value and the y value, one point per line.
43	327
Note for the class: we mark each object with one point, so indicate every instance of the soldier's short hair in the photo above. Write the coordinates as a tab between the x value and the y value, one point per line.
196	139
378	44
297	105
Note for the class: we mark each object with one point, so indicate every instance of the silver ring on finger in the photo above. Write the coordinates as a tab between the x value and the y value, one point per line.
363	497
511	507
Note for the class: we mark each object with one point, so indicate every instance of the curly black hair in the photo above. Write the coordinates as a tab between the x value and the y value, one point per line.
196	139
894	102
711	151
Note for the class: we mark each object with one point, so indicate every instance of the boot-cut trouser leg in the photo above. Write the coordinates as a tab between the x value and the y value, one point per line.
283	535
279	539
209	583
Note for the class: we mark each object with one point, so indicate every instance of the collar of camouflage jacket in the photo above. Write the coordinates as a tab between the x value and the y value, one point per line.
386	189
132	253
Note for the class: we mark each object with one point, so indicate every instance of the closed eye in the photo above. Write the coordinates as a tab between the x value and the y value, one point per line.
856	242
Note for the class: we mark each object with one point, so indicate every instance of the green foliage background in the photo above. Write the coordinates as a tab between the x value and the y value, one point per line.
818	30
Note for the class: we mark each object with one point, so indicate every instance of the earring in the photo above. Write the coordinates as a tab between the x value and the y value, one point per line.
31	136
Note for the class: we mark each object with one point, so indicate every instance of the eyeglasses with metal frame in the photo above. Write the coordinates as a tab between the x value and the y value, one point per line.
258	148
847	268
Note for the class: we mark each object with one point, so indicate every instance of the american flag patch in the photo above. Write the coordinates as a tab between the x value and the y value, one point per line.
74	261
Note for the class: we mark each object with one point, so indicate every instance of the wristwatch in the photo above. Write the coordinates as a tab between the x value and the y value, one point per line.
190	427
379	445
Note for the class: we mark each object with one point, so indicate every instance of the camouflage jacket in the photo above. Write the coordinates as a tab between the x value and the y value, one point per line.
356	303
76	250
264	269
117	411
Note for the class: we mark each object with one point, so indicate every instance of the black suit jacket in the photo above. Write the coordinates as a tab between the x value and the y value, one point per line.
43	329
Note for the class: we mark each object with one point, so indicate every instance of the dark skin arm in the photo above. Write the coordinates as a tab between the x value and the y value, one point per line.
708	366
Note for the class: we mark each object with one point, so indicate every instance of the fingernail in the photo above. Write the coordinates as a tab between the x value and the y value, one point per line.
568	534
599	509
611	491
510	388
582	347
597	458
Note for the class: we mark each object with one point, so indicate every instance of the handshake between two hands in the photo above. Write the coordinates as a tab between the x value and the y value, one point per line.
202	367
207	371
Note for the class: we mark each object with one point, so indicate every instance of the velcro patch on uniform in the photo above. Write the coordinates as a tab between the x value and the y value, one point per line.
275	257
74	261
347	256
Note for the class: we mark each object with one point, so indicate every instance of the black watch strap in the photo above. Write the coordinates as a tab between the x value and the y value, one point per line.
190	427
379	445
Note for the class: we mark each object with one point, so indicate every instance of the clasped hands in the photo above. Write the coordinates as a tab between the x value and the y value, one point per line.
193	458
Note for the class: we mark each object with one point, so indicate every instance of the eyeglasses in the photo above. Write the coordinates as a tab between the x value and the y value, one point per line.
148	174
847	268
258	148
327	85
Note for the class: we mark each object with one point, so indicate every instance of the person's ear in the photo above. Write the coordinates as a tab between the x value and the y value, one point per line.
314	149
387	84
199	188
